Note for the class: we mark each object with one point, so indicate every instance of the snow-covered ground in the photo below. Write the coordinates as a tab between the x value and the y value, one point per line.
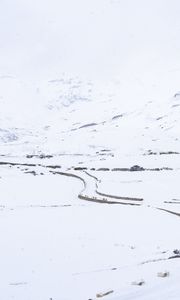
89	149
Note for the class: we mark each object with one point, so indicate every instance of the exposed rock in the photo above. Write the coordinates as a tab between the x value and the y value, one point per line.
150	152
136	168
80	168
100	295
87	125
41	156
120	169
176	251
177	95
53	166
139	283
117	117
31	172
163	274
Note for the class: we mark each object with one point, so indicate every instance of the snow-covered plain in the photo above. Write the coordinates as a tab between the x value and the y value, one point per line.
89	149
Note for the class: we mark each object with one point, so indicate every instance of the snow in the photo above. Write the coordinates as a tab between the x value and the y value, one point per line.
45	250
89	89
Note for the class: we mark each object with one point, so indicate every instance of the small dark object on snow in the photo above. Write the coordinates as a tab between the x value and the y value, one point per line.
140	283
163	274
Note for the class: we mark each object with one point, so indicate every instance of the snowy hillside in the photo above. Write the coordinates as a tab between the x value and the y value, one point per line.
89	149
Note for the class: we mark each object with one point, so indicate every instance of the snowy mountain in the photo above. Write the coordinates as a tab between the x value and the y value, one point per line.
89	146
